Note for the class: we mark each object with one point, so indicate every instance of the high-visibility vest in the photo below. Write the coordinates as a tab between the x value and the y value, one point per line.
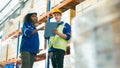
58	42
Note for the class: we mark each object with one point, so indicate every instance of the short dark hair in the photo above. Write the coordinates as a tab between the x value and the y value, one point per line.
27	18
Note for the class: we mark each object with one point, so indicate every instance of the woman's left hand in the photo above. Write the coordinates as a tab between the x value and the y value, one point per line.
41	28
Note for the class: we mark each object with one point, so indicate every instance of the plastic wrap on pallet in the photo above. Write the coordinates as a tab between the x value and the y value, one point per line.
96	37
83	37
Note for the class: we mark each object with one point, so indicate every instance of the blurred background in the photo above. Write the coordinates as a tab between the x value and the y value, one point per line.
95	36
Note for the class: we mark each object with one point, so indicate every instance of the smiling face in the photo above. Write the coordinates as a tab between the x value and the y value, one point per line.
57	17
34	18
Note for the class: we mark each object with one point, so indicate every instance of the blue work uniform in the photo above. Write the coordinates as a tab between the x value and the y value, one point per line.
29	42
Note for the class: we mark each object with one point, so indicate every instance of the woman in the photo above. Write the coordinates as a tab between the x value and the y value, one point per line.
30	40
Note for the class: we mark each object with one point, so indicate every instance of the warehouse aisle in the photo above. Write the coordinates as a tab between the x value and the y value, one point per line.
95	36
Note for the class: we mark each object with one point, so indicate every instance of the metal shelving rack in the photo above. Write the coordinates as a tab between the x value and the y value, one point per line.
65	5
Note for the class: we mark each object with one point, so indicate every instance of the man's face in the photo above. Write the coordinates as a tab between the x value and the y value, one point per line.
57	17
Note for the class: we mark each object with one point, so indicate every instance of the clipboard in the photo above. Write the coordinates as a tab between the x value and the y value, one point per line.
49	28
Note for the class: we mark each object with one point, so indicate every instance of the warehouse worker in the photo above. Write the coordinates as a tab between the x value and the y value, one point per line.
58	43
29	46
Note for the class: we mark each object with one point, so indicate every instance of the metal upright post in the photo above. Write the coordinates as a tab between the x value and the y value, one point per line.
18	40
47	39
17	45
7	50
18	37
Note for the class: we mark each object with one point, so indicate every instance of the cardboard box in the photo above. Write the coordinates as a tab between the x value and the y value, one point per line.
40	6
54	3
68	15
80	8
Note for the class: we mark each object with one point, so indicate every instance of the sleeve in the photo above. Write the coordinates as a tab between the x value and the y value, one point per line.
27	30
67	31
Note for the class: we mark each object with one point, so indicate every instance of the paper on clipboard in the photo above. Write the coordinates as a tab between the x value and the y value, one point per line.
49	28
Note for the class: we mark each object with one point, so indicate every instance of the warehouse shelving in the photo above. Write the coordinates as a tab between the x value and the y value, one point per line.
67	4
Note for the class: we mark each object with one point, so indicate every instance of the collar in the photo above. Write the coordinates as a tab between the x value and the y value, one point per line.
60	23
31	24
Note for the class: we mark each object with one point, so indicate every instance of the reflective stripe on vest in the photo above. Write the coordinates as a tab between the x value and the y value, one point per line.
58	42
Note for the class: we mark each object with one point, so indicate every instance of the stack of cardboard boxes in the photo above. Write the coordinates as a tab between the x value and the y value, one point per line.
98	31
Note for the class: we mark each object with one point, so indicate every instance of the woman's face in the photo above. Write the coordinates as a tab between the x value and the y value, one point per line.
34	18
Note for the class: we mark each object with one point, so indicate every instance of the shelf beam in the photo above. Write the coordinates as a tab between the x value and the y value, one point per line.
68	4
39	57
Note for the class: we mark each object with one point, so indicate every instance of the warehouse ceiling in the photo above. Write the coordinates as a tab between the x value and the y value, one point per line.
8	10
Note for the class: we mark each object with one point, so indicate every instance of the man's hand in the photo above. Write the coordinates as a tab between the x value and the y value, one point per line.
59	34
55	31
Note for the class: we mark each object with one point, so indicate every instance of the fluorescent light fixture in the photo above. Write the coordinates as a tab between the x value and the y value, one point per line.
3	3
10	7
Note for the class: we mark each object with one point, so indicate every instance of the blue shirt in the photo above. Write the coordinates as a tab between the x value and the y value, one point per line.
66	30
11	65
29	42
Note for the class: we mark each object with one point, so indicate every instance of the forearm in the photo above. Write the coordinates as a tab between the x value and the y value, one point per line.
34	31
62	35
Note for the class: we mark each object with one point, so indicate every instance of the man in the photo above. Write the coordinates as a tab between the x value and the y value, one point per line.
58	43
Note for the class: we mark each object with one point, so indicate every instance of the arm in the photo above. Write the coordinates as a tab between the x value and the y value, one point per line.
60	34
34	31
66	32
28	30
